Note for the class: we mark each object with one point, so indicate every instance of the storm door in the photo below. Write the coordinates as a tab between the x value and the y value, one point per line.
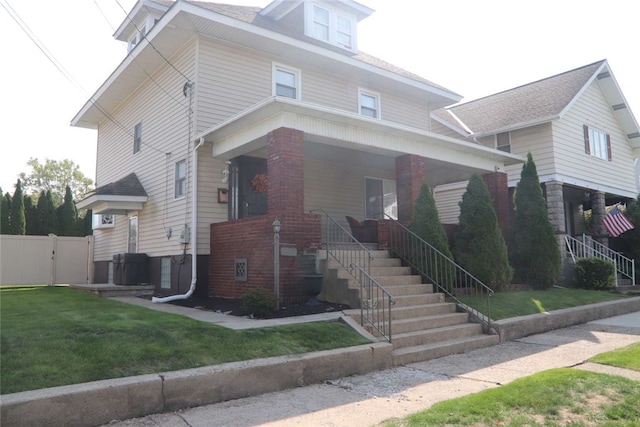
249	183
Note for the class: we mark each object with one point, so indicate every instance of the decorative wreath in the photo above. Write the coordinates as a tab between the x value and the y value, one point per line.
260	183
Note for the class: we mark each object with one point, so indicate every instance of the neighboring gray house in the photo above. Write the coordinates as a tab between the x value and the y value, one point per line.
584	140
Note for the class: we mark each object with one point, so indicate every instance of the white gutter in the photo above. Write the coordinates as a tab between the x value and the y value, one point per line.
194	232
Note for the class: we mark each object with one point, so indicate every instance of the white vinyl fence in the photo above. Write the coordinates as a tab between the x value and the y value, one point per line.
30	260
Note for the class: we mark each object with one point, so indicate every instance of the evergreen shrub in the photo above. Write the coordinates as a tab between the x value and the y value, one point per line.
594	273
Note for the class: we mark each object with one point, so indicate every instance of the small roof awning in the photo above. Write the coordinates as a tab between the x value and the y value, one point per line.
116	198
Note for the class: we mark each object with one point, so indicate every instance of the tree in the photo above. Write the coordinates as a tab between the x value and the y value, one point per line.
46	214
31	216
67	215
5	211
426	225
55	176
17	220
479	245
534	249
426	222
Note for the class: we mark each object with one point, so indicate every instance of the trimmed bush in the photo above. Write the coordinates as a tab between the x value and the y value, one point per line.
594	273
479	245
426	225
259	302
533	250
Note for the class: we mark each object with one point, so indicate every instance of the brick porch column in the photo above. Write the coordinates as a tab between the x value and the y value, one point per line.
498	186
285	166
411	173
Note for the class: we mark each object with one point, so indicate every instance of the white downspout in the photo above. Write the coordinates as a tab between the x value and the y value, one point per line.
194	231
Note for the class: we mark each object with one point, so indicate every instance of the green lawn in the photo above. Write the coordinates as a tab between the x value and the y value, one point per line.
53	336
557	397
505	305
626	357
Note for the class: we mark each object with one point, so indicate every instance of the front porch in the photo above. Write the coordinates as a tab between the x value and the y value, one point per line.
305	158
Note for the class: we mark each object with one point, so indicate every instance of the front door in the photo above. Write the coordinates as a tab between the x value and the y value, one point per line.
249	182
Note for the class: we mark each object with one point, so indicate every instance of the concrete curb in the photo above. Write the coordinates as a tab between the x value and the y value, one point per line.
522	326
100	402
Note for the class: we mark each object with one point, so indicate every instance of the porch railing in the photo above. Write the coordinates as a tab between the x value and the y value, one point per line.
375	303
590	248
447	276
355	258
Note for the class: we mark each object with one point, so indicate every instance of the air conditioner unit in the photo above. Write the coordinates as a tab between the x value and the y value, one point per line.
99	221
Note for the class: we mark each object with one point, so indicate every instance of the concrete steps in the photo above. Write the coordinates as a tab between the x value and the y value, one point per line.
423	325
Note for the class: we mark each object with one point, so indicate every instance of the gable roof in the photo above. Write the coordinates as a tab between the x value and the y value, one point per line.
539	102
245	26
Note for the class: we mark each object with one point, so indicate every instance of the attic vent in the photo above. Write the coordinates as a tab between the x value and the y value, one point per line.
633	135
604	75
619	106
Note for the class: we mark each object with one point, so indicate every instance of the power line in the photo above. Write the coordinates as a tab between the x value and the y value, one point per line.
138	63
32	36
151	44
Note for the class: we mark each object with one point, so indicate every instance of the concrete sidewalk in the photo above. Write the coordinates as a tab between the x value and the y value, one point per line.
367	400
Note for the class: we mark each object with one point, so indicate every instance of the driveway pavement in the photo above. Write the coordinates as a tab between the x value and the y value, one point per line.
367	400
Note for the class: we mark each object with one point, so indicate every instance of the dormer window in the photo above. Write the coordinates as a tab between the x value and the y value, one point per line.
330	24
321	23
344	32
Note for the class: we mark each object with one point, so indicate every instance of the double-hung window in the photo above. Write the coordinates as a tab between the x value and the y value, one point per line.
328	22
369	104
286	82
597	143
321	23
180	186
137	138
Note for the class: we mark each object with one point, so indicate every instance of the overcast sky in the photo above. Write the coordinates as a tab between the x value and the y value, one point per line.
474	48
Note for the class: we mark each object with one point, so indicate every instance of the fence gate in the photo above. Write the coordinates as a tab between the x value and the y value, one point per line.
30	260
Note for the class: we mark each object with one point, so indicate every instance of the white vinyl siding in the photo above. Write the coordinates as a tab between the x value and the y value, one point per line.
572	160
166	130
232	79
447	199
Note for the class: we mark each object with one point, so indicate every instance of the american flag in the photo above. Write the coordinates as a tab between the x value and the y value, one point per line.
616	223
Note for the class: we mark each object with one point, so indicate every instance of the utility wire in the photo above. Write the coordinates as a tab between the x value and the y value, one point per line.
136	60
151	44
25	28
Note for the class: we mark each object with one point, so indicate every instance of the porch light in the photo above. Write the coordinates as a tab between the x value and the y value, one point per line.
225	174
276	226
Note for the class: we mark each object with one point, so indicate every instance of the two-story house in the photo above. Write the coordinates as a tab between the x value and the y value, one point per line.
223	118
580	131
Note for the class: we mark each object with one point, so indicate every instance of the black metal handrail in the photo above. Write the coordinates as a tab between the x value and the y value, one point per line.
447	276
375	303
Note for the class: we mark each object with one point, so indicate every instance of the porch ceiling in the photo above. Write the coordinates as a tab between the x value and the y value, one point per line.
447	159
